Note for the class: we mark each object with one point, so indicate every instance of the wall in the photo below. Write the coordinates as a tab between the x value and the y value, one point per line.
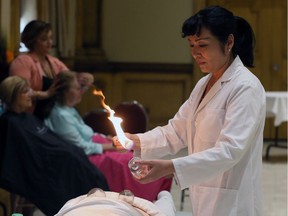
156	69
145	31
149	32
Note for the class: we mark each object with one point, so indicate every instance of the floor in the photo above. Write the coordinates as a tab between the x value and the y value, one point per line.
274	186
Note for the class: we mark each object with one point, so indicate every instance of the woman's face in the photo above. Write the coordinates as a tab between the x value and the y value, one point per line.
43	43
74	94
23	99
208	52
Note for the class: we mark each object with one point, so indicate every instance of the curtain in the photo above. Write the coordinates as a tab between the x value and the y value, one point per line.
62	16
10	13
66	13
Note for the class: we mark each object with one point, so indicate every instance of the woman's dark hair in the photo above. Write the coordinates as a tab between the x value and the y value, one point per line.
221	23
32	31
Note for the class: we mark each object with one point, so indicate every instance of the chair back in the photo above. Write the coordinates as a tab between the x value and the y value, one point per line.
134	115
99	122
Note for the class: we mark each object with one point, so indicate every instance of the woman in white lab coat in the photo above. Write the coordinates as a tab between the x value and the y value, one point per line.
221	123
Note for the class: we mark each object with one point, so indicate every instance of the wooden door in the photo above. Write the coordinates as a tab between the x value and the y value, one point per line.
268	19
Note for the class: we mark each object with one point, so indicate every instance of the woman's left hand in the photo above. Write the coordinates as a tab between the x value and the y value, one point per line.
157	169
133	137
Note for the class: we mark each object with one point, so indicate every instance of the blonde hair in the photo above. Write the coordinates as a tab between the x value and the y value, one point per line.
11	87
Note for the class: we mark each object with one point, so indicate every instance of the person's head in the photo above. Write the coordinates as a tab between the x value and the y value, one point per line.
37	36
215	33
69	91
16	93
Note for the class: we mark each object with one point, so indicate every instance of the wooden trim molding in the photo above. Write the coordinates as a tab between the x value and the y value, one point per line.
117	67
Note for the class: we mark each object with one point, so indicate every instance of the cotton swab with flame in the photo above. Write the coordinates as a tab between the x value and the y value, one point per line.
116	121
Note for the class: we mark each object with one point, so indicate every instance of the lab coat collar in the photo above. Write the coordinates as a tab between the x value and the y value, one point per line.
231	70
226	77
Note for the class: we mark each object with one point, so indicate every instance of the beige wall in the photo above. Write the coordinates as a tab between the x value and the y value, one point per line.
145	31
133	30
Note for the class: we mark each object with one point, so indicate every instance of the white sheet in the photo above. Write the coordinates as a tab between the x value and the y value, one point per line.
276	106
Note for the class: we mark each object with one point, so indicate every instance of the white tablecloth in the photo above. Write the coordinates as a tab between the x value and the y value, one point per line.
276	106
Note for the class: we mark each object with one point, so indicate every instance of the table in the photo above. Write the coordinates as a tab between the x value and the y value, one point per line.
114	166
276	107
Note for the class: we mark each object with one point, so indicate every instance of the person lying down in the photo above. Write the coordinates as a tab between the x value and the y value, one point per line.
98	202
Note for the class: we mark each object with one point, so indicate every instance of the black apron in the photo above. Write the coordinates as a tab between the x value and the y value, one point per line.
43	105
38	165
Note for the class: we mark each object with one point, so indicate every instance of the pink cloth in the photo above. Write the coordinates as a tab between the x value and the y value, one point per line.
114	165
29	67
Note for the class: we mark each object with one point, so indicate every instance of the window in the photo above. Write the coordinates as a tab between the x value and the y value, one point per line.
28	12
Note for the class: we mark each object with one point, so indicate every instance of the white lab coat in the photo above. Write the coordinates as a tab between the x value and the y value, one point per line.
224	135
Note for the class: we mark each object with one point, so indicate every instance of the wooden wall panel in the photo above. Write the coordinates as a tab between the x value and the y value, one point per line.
268	19
161	94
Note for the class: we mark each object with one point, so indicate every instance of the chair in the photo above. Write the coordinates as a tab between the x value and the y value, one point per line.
4	209
21	205
135	120
99	122
134	115
12	203
183	195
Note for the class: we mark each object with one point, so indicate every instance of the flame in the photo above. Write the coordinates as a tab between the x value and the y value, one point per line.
116	121
100	93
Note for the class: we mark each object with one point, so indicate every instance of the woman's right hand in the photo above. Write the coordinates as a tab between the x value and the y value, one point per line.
133	137
51	91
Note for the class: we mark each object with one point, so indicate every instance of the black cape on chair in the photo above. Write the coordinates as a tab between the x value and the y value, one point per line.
38	165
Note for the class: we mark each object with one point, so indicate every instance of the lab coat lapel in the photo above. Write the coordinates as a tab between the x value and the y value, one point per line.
228	74
216	87
197	93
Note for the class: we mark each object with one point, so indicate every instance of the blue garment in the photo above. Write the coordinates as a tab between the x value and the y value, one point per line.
2	108
68	124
